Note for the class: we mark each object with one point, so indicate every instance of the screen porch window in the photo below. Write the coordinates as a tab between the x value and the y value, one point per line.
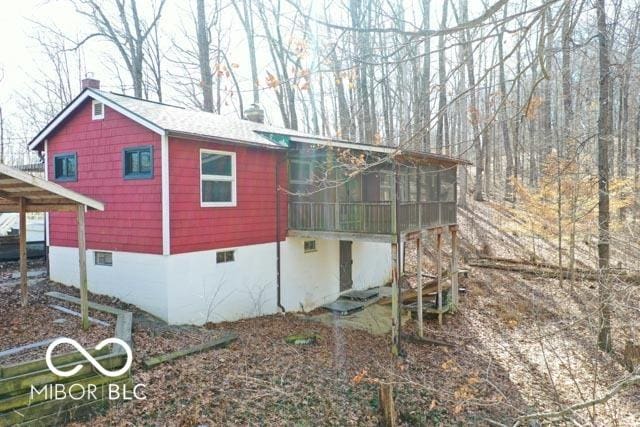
217	178
138	163
66	167
300	172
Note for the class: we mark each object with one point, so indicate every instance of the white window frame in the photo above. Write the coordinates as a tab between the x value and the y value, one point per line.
231	179
93	110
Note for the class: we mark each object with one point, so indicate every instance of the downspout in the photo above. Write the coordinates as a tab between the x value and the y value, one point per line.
278	268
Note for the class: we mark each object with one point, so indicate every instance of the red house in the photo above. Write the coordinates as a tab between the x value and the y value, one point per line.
209	218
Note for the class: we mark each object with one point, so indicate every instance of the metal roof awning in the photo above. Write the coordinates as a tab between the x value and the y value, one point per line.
21	190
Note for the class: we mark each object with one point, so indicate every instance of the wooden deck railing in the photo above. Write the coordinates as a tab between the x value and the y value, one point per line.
368	217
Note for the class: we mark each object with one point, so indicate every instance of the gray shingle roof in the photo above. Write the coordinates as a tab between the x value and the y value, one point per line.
200	123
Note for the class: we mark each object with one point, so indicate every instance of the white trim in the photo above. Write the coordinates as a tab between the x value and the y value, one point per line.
233	179
166	211
46	178
90	93
95	116
340	144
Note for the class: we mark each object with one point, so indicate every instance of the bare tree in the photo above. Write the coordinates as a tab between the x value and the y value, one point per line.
125	29
604	142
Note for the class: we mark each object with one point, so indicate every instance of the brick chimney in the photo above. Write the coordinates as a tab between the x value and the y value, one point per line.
254	113
89	82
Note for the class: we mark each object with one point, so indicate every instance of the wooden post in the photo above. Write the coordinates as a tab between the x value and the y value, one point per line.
419	260
387	406
395	302
419	284
23	253
82	258
439	271
395	269
454	265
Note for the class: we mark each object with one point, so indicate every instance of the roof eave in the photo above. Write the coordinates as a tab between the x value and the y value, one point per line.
188	135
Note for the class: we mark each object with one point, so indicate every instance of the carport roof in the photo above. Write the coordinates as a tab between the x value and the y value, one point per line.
38	195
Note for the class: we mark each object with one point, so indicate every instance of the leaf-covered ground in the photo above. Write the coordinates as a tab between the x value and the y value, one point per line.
522	345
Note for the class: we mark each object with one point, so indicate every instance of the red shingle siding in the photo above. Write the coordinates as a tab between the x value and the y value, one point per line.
252	221
132	220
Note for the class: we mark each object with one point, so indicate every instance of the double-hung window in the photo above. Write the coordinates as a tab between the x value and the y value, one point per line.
138	162
66	167
217	178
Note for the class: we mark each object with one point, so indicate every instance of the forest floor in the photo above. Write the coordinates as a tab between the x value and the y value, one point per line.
521	345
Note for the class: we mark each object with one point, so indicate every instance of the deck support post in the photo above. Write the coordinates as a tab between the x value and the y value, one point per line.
395	301
439	271
23	253
82	260
454	266
419	284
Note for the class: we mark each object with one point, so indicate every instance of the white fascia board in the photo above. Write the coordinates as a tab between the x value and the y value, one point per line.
88	93
341	144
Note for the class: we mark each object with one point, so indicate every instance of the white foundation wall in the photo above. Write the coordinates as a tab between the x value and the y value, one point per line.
309	279
201	290
371	264
192	288
138	279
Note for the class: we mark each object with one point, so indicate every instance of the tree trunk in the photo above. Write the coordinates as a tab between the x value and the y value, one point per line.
604	141
206	77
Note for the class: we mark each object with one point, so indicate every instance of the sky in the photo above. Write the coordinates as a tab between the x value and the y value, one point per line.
21	57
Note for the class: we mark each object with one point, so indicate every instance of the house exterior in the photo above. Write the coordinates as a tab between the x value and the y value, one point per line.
211	219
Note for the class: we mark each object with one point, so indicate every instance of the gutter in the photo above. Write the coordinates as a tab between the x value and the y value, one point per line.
278	260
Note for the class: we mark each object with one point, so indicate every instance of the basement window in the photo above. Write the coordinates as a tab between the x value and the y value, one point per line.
97	110
225	256
310	246
138	162
65	167
217	178
103	258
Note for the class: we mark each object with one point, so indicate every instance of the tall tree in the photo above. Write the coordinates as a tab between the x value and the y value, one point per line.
127	31
204	61
605	138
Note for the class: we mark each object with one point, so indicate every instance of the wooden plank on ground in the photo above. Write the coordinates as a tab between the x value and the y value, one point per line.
76	314
26	347
221	342
93	305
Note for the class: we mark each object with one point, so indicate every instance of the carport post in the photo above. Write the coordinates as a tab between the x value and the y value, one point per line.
82	258
23	252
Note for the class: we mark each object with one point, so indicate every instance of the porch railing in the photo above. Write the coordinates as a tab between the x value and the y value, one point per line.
367	217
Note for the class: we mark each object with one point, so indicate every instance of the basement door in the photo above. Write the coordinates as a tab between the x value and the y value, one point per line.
346	264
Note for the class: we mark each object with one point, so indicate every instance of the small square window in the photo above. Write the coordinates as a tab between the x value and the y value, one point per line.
310	246
138	162
65	167
103	258
97	110
225	256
